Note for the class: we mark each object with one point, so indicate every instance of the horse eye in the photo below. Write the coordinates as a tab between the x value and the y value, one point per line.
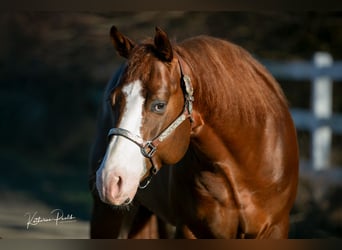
158	107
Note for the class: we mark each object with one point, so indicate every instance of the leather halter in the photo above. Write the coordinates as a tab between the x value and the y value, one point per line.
149	147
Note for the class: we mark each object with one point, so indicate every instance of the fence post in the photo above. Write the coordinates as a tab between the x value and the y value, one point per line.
321	104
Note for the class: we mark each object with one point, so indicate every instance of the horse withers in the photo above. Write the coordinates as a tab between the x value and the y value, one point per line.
197	135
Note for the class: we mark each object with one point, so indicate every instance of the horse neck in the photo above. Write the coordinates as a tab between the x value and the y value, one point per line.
236	100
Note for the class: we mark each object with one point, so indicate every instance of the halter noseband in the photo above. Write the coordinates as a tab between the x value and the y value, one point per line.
149	147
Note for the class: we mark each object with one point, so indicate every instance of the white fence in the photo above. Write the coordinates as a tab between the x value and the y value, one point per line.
320	120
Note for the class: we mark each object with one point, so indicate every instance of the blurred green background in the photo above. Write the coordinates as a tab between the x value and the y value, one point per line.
55	65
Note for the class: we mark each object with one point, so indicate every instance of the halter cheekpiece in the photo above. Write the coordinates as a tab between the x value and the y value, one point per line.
149	147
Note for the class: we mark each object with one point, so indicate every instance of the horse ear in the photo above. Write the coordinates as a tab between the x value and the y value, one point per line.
122	44
163	45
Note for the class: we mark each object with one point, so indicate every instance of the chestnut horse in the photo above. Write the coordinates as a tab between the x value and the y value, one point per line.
197	135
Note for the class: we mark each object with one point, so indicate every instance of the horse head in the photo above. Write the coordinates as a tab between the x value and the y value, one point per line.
151	109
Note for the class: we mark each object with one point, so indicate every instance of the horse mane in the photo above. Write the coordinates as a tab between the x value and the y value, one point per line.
220	71
225	71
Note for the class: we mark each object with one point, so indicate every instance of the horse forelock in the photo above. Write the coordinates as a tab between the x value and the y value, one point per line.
141	61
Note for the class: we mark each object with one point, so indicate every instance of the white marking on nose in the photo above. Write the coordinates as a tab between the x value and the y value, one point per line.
123	157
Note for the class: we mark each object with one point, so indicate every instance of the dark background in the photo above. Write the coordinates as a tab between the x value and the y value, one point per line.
55	65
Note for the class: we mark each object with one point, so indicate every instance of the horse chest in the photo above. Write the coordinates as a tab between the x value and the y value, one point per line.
203	203
209	208
157	196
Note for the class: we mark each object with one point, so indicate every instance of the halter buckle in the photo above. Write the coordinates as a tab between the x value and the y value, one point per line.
148	149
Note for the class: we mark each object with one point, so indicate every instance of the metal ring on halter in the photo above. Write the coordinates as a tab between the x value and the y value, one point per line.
148	149
147	181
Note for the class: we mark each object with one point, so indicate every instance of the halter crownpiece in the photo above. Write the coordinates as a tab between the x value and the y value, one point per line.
189	96
149	147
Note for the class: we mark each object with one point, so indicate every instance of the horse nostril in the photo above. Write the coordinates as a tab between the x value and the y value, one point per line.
118	181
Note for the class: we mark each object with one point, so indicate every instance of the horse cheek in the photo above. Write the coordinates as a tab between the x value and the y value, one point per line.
175	147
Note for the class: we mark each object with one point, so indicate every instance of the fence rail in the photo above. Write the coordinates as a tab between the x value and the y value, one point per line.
320	120
302	70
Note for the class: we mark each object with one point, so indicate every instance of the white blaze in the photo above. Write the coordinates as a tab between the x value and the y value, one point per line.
123	157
